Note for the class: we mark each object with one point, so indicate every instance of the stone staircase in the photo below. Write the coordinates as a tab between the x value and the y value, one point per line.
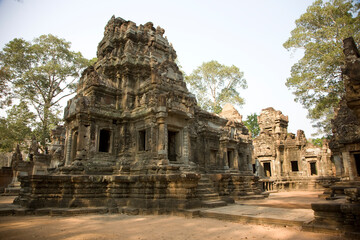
205	191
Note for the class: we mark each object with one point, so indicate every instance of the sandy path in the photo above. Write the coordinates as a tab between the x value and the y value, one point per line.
120	226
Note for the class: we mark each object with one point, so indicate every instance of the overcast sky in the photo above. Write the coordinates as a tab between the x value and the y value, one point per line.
244	33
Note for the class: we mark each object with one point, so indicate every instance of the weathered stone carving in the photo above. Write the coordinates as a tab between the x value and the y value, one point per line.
136	137
345	143
351	75
344	213
287	161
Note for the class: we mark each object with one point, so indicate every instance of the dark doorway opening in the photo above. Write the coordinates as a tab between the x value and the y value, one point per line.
142	140
254	168
294	166
104	141
172	145
357	163
230	158
267	169
313	170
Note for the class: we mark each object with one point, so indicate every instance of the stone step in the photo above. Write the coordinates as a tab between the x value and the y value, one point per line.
213	203
209	196
204	187
18	211
259	215
252	197
12	191
204	191
204	180
204	184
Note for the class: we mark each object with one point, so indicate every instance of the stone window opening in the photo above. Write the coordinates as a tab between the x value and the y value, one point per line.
294	166
230	158
173	145
313	170
104	140
267	169
142	140
357	163
254	168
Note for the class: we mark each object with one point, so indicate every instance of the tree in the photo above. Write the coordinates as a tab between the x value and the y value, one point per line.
16	127
316	78
317	142
215	84
40	73
252	124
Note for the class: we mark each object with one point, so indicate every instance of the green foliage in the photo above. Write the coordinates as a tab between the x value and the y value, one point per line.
317	142
252	124
92	61
16	127
40	73
215	84
316	78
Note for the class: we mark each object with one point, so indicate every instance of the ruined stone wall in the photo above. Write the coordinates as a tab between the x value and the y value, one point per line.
140	191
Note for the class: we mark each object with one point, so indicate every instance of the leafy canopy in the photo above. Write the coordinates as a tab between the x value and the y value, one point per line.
215	84
252	124
317	142
316	77
40	73
15	127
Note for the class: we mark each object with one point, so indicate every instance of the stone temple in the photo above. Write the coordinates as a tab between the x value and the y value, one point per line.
287	161
135	136
135	141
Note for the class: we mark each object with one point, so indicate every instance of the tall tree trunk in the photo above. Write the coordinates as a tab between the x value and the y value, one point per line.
45	127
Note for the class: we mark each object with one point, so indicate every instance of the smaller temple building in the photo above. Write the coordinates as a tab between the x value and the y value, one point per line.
285	161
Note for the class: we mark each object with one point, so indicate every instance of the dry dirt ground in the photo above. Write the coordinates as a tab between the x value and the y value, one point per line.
119	226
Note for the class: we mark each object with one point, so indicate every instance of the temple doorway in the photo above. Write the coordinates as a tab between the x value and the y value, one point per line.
267	169
172	145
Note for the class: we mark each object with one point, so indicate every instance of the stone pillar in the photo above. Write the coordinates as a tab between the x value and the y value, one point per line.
162	134
226	160
286	163
277	173
236	160
273	168
186	145
162	138
68	147
348	171
118	86
80	141
127	88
